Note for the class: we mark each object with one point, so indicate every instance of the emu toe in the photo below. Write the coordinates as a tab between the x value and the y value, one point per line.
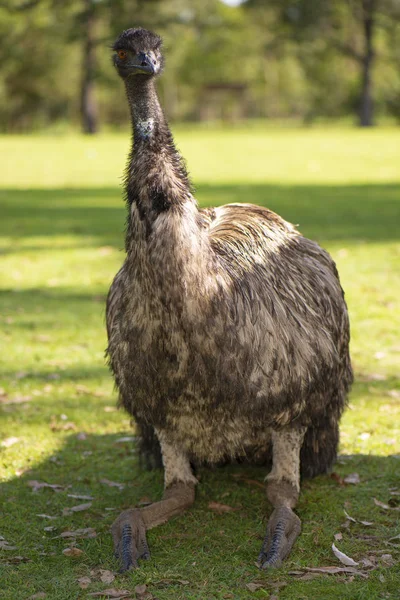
129	536
283	528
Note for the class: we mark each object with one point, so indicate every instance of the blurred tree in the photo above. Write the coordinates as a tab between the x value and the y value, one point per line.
349	26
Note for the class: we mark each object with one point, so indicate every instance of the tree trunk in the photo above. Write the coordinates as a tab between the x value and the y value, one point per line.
366	102
88	98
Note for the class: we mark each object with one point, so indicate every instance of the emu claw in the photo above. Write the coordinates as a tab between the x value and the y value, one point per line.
283	528
129	536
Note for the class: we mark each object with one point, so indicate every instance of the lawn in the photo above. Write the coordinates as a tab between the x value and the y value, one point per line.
61	240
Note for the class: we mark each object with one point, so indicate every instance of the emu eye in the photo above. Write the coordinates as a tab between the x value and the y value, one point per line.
122	54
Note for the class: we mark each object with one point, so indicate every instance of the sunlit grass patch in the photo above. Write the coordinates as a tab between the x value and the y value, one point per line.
61	240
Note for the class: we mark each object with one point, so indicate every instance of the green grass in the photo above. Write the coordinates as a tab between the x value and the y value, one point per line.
61	234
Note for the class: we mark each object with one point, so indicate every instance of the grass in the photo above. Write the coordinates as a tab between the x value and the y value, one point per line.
61	234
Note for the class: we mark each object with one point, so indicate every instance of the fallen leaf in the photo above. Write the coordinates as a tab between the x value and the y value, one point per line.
18	399
38	596
112	593
37	485
335	570
72	552
89	532
80	497
106	576
336	477
353	478
366	523
344	559
50	528
124	440
387	560
385	506
221	508
120	486
67	511
4	545
338	537
308	576
84	582
43	516
253	587
16	560
8	442
349	517
366	562
396	537
142	593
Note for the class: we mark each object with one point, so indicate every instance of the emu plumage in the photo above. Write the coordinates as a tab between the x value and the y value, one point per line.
228	330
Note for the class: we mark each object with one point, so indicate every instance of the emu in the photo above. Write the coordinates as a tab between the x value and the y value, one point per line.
228	330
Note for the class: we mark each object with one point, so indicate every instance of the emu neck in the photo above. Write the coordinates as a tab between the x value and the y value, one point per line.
157	180
147	116
164	236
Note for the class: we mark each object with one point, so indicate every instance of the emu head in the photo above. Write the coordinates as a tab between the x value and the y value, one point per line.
138	52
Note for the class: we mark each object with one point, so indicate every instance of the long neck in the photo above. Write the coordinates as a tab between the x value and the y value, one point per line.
156	178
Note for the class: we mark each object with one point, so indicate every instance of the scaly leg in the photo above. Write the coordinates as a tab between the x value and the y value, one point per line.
129	529
283	490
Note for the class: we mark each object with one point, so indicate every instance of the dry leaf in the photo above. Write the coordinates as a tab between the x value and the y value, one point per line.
9	442
67	511
16	399
366	523
220	508
335	570
120	486
353	478
337	478
396	537
72	552
338	537
37	485
43	516
142	593
106	576
4	545
344	559
89	532
387	560
84	582
366	562
349	517
112	593
80	497
385	506
253	587
16	560
38	596
308	576
124	440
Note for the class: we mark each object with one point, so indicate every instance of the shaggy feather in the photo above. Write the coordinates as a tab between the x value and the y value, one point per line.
223	323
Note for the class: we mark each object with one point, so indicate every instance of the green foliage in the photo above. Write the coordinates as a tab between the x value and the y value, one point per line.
61	235
295	58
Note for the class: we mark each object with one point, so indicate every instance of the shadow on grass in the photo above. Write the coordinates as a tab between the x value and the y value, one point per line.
199	546
359	212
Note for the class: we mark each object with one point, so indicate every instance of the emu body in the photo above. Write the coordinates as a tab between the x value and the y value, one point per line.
228	330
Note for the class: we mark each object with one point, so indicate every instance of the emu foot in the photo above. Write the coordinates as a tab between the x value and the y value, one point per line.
282	530
129	535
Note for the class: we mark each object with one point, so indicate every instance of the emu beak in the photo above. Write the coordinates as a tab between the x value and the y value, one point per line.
146	62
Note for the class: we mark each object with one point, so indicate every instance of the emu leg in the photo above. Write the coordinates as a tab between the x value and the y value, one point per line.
129	529
283	490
